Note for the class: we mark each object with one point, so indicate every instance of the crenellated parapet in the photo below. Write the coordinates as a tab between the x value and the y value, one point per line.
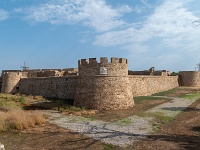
116	67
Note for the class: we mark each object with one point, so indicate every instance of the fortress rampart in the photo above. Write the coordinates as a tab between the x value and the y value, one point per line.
102	85
53	87
148	85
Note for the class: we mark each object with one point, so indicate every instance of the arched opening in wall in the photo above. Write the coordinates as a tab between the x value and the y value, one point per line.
17	89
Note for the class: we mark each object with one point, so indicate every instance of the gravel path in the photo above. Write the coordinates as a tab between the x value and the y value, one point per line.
121	133
172	108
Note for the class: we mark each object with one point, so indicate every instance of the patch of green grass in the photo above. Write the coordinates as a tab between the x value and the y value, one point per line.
160	117
22	100
139	99
164	119
7	105
9	96
74	108
165	93
66	107
109	147
126	121
191	96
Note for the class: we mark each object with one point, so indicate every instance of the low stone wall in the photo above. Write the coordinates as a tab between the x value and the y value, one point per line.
148	85
54	87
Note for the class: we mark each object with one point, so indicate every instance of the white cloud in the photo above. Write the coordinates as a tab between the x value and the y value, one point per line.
171	18
167	36
3	15
171	22
96	14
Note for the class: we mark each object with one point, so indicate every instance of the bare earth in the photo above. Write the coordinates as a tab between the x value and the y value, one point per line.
181	133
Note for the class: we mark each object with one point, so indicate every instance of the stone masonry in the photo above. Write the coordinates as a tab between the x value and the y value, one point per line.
189	78
103	90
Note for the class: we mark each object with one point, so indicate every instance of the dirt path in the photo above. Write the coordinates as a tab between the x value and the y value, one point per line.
118	133
122	133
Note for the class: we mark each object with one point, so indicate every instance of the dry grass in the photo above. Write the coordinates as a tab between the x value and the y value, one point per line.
19	119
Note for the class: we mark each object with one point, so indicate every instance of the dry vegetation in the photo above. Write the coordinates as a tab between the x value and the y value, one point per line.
19	119
12	116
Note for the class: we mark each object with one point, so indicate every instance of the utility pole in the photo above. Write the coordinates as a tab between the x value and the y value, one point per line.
198	66
25	67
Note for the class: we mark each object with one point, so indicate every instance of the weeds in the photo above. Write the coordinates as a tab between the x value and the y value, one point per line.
108	147
139	99
9	96
22	100
191	96
19	119
160	117
126	121
7	105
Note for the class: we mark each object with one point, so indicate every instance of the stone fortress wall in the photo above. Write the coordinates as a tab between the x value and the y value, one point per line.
148	85
104	85
52	87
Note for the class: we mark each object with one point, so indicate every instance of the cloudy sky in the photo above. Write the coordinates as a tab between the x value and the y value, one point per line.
57	33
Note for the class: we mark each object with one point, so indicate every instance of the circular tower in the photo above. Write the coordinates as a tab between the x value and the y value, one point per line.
104	85
10	81
189	78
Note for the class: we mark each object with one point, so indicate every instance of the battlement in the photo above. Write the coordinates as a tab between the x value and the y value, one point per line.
103	60
91	66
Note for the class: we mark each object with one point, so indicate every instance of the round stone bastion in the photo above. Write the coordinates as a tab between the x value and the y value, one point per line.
104	85
189	78
10	81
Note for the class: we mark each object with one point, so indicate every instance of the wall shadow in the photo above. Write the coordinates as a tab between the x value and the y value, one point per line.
50	104
186	109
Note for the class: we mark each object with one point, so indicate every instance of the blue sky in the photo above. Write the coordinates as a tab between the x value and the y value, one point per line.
57	33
